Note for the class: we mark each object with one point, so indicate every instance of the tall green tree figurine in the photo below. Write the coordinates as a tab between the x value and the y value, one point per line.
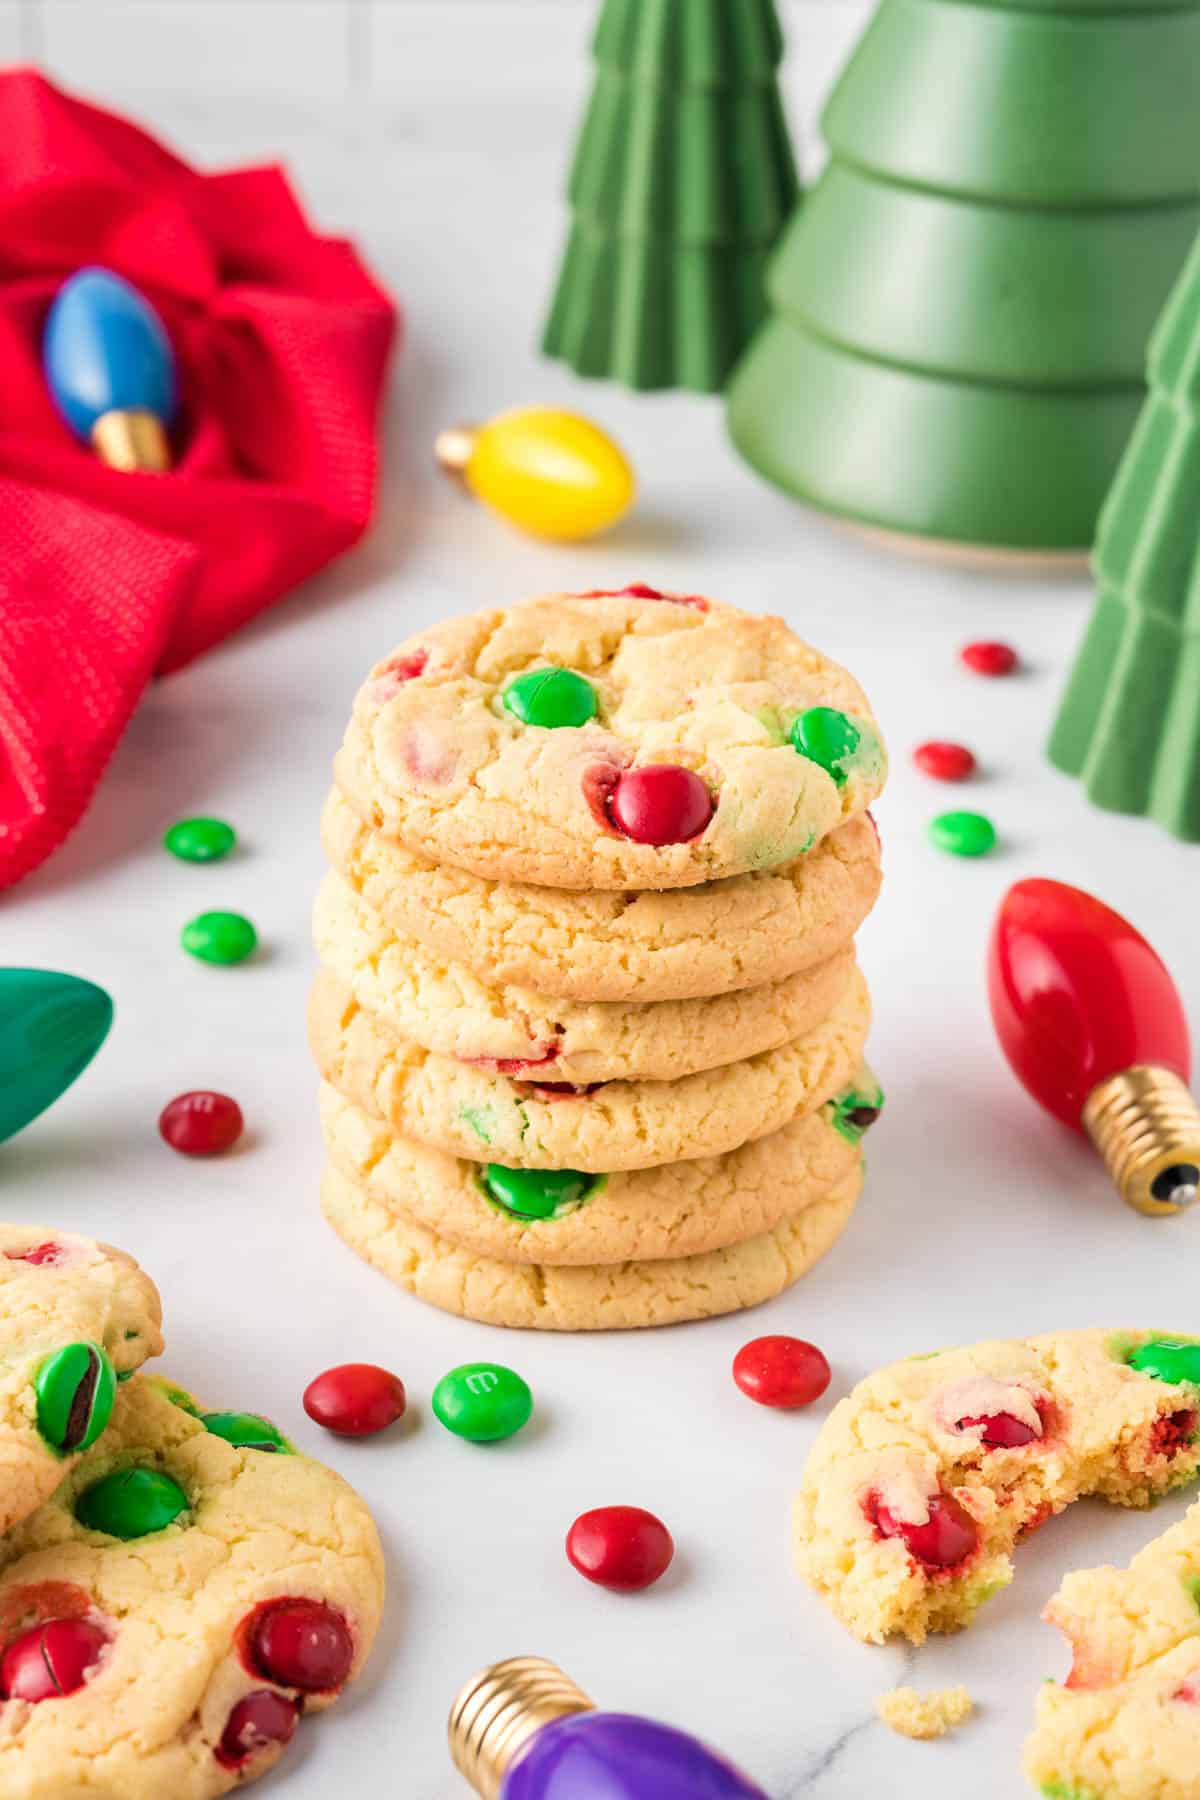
960	310
682	180
1129	724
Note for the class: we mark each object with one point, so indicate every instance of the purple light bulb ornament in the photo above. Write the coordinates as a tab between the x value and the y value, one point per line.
523	1731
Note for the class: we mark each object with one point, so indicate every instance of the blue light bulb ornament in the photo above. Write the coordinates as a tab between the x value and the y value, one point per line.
111	370
51	1026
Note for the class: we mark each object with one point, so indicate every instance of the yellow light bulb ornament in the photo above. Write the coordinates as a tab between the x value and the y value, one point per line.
550	473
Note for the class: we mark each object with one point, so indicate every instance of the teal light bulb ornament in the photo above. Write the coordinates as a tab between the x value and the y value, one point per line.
51	1026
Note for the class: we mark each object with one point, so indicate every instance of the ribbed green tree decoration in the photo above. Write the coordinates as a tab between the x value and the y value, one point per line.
960	310
1129	723
681	182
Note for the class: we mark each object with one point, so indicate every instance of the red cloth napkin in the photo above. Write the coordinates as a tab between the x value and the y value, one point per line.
282	339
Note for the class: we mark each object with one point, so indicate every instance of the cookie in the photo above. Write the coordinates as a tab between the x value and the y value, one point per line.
563	1217
923	1479
532	1037
610	741
1125	1725
924	1716
608	1297
175	1606
616	1125
687	943
75	1316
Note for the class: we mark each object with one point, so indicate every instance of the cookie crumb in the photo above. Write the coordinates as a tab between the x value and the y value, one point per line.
924	1716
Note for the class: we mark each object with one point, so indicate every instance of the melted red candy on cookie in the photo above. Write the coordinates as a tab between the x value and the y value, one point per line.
637	590
43	1255
513	1066
623	1548
393	675
1173	1432
257	1722
51	1660
947	1537
1001	1431
1189	1691
426	757
660	803
301	1644
558	1090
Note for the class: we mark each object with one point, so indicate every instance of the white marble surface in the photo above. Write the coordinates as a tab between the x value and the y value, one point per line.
437	134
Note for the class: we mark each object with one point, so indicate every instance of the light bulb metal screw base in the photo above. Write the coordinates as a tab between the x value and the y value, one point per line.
132	440
453	448
1146	1126
498	1712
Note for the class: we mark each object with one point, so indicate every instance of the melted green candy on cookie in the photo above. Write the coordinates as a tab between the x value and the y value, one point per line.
834	741
531	1194
854	1111
75	1389
131	1503
246	1431
1174	1360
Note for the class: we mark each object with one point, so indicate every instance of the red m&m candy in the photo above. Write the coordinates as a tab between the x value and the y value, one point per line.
660	804
1000	1431
989	658
945	762
257	1722
201	1123
784	1372
51	1660
301	1644
355	1399
947	1537
620	1547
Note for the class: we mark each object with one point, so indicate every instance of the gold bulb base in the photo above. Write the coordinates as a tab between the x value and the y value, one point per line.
132	441
453	449
1146	1126
498	1712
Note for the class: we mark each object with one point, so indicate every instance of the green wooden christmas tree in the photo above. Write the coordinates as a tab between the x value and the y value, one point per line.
682	180
1129	724
960	310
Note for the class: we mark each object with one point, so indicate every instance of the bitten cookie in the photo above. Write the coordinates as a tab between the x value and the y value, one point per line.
926	1475
1125	1725
176	1606
636	945
610	741
533	1037
607	1298
563	1217
75	1316
616	1125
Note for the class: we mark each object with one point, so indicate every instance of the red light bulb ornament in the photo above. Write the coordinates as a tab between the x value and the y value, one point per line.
1091	1022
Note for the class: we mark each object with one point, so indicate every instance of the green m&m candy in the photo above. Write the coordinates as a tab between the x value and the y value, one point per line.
854	1111
482	1402
535	1193
200	840
963	833
75	1389
827	737
131	1503
246	1431
1168	1359
219	937
550	698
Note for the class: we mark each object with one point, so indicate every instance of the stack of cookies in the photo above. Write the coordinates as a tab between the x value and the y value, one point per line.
589	1022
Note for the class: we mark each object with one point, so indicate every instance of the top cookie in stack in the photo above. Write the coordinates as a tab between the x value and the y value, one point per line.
589	1019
